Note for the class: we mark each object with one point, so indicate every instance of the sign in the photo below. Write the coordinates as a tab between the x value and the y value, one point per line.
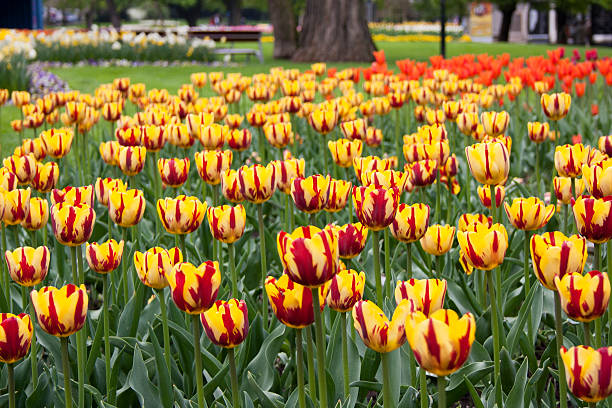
481	21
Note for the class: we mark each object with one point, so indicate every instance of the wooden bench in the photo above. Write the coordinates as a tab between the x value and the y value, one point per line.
231	37
228	36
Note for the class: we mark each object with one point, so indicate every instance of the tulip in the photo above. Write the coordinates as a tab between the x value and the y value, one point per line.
376	331
584	298
309	255
153	138
287	171
8	179
354	129
28	266
234	120
310	194
155	264
72	225
467	122
239	139
555	255
279	135
323	121
351	239
179	135
230	186
24	167
31	146
60	312
291	302
109	151
423	172
410	222
226	323
106	257
438	239
257	182
484	247
484	193
181	215
173	172
569	159
16	333
373	137
46	177
441	342
495	123
211	164
376	207
563	188
593	218
605	144
489	162
194	289
343	151
537	131
131	159
16	205
587	372
105	186
467	220
363	165
130	136
598	178
126	208
344	290
338	195
556	105
74	195
212	137
529	214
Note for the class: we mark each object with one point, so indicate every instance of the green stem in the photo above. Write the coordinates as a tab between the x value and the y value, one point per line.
409	260
311	368
598	336
345	362
300	367
537	170
350	199
387	402
441	392
80	335
398	148
320	349
597	256
325	153
232	266
198	358
11	385
527	277
124	266
468	180
234	378
376	252
262	250
559	332
437	212
6	279
609	258
495	328
423	388
109	225
388	277
587	333
66	372
262	145
166	332
33	352
107	352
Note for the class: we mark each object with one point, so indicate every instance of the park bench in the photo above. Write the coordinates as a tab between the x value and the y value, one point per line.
231	37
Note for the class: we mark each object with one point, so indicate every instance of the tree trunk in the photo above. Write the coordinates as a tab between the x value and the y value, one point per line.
562	26
233	6
283	22
114	15
504	30
191	14
335	30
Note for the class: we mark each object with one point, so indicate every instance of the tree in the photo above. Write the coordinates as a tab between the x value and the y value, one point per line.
335	30
233	6
190	10
507	8
283	22
114	14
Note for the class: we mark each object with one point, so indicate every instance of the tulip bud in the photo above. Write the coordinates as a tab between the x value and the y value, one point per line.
344	290
310	194
173	172
211	164
257	182
484	247
291	302
489	162
338	195
410	222
556	105
16	332
8	179
24	167
37	215
15	205
376	207
537	131
584	298
343	151
131	159
484	193
126	208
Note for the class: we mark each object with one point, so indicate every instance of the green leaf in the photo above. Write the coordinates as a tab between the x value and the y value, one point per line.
95	348
475	397
138	380
508	372
267	399
475	372
519	323
262	366
165	385
516	397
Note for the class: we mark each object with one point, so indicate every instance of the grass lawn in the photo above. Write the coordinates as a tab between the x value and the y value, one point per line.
87	78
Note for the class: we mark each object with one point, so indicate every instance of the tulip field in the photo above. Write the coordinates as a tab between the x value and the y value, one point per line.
426	234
